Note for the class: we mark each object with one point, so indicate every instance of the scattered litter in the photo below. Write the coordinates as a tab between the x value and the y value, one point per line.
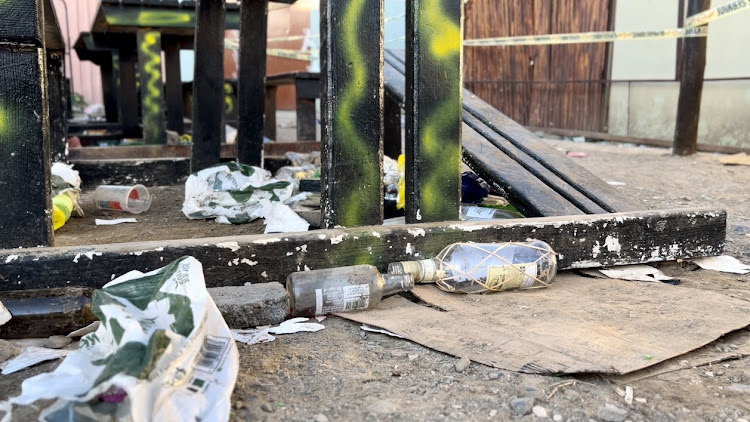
5	316
577	154
628	394
740	159
724	263
372	329
163	342
29	357
85	330
320	318
614	183
263	334
579	139
638	272
102	222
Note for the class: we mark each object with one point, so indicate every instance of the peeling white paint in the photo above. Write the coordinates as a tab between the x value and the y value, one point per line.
469	228
159	249
249	262
264	274
234	246
376	234
302	248
11	258
289	253
267	241
408	249
90	255
236	261
613	244
419	215
416	232
307	268
597	250
338	239
322	237
137	253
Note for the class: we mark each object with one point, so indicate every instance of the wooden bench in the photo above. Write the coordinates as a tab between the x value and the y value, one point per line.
307	87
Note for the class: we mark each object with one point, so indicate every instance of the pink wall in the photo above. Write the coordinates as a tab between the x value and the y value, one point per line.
85	77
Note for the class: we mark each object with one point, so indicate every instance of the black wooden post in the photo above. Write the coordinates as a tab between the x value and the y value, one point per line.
175	106
306	91
25	204
128	93
351	56
208	84
152	87
392	124
433	109
109	86
252	73
58	107
691	88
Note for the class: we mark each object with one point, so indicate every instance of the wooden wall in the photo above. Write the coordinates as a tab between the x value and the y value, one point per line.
523	81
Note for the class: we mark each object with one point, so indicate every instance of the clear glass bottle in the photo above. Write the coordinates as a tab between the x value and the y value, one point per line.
343	289
470	212
478	267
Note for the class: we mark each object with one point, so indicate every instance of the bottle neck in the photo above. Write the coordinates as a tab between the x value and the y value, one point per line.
423	271
395	283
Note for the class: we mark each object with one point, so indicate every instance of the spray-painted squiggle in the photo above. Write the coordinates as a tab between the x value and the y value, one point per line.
442	36
354	144
152	67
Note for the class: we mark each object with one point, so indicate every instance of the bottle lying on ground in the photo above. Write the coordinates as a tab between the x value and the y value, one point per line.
482	267
343	289
471	212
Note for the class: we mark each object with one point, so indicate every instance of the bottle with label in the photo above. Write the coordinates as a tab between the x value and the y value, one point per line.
471	212
344	289
477	267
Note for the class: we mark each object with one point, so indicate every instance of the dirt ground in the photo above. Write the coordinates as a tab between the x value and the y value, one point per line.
345	374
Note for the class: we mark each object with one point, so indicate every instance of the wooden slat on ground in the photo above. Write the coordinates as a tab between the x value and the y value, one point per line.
580	241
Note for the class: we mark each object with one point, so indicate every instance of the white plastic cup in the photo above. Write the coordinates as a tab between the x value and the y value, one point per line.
133	199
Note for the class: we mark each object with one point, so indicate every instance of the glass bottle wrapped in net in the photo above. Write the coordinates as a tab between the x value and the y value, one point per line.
485	267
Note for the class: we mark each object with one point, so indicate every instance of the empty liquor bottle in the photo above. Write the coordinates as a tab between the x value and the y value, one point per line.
343	289
470	212
482	267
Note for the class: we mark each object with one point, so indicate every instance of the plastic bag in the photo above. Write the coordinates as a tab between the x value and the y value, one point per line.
161	353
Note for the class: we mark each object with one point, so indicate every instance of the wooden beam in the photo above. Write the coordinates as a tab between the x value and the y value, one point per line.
175	104
109	87
392	126
252	73
208	85
351	56
152	87
58	120
128	92
580	241
25	203
691	87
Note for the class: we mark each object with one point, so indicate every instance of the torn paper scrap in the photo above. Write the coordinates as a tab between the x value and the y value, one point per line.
29	357
253	336
724	263
296	325
85	330
372	329
636	272
739	159
102	222
5	315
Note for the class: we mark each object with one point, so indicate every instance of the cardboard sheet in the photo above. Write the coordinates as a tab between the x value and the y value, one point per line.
578	325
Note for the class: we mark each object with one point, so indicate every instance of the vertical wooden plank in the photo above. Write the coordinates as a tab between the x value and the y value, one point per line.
175	106
269	123
433	109
58	121
351	112
208	85
109	87
691	87
152	87
25	204
128	93
392	124
306	91
252	74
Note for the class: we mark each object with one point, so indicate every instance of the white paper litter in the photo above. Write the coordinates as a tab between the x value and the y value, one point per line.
235	193
263	334
162	341
724	263
637	272
85	330
5	315
29	357
102	222
615	183
372	329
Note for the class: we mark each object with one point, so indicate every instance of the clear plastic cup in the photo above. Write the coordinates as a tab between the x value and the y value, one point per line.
133	199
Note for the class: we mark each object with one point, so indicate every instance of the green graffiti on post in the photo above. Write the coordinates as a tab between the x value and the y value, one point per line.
228	99
440	108
159	18
353	144
149	56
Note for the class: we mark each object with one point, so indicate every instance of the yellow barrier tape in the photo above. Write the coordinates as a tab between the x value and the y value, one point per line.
588	37
718	12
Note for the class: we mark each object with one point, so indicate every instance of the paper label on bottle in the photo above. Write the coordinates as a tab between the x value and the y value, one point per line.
342	299
511	276
480	212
